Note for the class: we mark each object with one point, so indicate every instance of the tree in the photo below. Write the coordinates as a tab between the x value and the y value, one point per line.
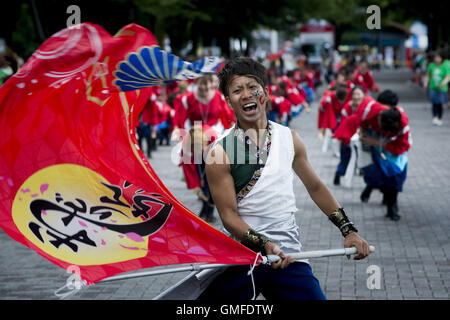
168	12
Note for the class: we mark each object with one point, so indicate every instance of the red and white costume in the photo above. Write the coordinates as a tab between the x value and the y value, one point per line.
307	79
368	80
330	110
366	116
282	106
359	81
215	113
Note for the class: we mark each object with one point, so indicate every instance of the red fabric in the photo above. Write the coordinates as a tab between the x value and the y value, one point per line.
281	105
272	89
347	111
366	116
307	79
74	185
400	141
191	175
347	129
336	104
294	96
164	111
359	81
369	81
150	113
180	111
326	116
348	126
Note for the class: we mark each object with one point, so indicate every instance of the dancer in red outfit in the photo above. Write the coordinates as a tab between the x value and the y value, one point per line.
340	79
281	108
356	78
148	120
205	105
331	105
385	133
364	72
207	108
165	118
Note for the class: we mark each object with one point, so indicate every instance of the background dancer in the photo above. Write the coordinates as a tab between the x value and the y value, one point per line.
341	102
364	72
389	151
384	131
199	140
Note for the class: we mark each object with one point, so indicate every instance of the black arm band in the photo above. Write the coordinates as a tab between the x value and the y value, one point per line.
340	220
254	241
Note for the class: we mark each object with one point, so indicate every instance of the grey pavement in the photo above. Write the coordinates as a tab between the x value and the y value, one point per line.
412	254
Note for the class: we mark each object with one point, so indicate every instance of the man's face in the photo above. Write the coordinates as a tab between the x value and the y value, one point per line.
247	98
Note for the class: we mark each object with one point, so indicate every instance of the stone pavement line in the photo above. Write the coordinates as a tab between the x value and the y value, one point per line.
412	254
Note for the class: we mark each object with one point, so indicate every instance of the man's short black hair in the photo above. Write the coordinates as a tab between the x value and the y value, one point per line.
388	97
241	66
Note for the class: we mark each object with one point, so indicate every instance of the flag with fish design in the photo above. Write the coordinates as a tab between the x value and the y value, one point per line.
74	185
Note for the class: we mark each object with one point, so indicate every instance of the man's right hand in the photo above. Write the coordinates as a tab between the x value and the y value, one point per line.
273	249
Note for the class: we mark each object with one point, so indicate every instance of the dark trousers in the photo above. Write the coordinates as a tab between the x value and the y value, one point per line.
144	132
346	153
389	195
437	110
207	209
296	282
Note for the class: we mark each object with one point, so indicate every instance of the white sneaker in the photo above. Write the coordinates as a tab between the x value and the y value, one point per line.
435	121
439	122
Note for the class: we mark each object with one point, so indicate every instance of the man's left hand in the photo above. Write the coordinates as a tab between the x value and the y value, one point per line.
354	240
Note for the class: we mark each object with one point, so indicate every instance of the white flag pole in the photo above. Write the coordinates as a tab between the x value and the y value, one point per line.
200	267
316	254
266	260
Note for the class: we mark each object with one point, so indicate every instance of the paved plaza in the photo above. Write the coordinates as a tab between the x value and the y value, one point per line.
412	254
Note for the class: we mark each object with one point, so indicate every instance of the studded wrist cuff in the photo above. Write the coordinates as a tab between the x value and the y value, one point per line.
254	240
340	220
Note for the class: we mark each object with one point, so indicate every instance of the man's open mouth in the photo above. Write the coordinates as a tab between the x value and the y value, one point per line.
249	107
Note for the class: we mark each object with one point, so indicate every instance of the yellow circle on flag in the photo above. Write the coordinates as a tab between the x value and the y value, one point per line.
66	210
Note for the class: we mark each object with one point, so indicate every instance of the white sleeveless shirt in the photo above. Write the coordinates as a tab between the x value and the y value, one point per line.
270	205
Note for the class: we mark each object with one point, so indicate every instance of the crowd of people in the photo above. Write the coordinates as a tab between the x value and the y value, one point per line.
350	120
373	135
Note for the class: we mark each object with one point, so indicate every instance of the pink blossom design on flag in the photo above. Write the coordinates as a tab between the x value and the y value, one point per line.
44	187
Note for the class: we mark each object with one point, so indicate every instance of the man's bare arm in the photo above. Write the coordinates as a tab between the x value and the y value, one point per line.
221	185
318	191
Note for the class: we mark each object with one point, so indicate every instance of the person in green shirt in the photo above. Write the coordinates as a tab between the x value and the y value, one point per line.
447	65
437	78
5	70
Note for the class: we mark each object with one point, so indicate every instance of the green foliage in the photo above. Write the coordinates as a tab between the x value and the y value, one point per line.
209	21
24	37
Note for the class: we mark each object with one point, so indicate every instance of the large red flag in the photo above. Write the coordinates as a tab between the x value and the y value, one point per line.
74	185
